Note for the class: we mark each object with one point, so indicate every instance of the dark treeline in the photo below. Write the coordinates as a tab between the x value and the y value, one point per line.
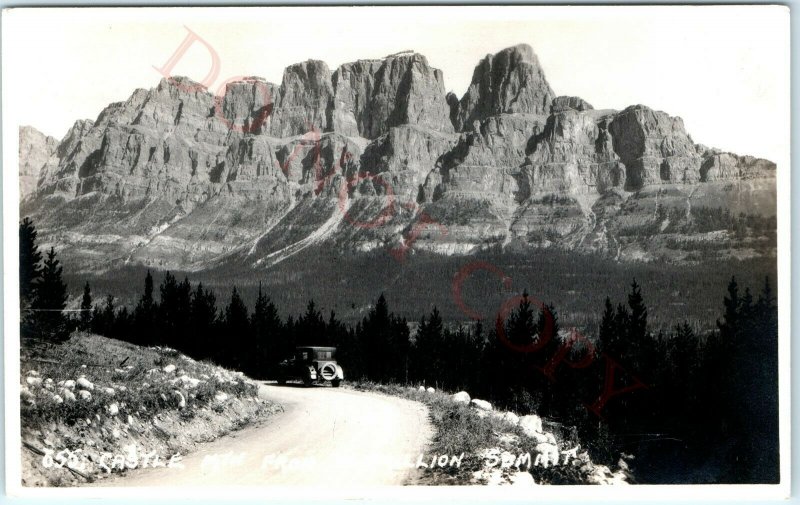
703	401
691	408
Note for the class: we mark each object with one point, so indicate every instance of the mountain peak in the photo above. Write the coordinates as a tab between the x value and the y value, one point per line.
509	81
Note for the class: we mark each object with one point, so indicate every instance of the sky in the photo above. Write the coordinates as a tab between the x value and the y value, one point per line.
724	70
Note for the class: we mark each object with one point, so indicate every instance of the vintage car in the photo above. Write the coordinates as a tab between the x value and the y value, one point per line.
312	365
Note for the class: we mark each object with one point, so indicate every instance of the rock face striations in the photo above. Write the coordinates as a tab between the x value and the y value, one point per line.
35	151
507	82
366	156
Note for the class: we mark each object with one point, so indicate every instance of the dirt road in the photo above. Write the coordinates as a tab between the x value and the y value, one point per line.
325	437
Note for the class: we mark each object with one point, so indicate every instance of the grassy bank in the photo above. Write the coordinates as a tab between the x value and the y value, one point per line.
93	407
498	447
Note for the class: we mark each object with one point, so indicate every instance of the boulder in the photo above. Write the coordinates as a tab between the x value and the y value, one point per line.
461	397
510	418
84	383
169	368
530	424
549	454
481	404
431	390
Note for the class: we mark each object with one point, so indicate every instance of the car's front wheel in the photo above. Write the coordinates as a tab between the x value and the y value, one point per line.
336	383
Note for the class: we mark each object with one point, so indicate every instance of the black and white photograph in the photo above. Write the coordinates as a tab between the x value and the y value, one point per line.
368	250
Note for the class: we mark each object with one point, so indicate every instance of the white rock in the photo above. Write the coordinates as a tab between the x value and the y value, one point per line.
421	389
83	366
113	409
115	433
33	373
461	397
181	399
549	453
69	384
530	424
84	383
68	395
482	404
189	382
58	399
431	390
489	477
169	368
523	479
34	381
109	391
221	397
85	395
510	417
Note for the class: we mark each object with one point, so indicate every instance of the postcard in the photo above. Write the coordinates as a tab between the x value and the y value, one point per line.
495	252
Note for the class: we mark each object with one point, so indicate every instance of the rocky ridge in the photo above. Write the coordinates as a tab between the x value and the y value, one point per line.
376	154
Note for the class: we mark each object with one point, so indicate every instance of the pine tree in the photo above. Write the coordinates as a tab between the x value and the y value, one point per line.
310	327
521	329
428	347
266	328
86	308
50	299
607	334
237	329
638	317
30	258
107	316
144	315
731	316
167	312
204	322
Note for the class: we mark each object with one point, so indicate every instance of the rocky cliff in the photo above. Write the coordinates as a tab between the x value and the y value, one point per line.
376	154
35	151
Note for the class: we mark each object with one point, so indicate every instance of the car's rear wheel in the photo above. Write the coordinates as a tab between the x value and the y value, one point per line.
307	381
336	383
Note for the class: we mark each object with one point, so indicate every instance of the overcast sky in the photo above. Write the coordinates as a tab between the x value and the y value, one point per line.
724	70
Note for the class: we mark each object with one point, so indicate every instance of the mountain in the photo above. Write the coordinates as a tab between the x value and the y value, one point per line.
35	151
376	154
